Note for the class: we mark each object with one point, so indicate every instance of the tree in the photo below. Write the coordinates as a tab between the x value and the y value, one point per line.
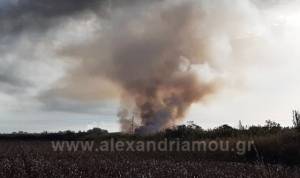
97	131
296	119
225	131
241	127
271	124
272	127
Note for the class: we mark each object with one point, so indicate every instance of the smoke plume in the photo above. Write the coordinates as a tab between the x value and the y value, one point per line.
150	53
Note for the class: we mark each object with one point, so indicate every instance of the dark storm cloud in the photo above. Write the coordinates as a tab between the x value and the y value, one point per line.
17	16
28	20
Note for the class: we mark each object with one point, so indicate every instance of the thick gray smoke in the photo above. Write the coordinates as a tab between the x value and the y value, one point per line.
150	52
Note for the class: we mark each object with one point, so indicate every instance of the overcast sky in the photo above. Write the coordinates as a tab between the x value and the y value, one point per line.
252	46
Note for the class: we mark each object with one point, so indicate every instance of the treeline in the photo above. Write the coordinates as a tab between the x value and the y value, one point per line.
181	131
270	128
62	135
191	131
272	143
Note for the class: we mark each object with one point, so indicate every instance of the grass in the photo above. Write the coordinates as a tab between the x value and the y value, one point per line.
37	160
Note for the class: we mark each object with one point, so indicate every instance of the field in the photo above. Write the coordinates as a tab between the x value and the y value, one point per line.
36	159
